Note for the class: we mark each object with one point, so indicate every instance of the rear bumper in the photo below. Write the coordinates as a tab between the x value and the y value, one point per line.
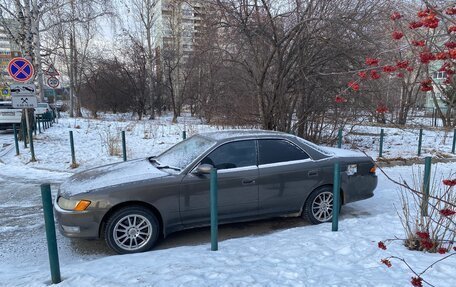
78	224
358	187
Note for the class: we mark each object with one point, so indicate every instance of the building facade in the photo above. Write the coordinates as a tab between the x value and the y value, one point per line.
8	49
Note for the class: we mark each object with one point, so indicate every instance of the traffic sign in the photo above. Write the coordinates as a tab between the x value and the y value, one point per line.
24	102
53	82
22	90
52	71
5	92
20	69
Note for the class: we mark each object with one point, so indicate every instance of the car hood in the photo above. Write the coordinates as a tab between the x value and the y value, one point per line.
110	175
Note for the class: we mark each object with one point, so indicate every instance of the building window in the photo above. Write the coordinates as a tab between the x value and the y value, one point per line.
187	12
439	75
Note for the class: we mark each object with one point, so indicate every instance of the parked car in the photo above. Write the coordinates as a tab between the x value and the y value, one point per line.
42	108
261	174
9	115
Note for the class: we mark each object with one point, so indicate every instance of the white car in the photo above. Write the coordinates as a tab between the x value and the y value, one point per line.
42	108
9	115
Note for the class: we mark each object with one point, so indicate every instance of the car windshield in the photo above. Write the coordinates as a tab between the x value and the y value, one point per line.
42	105
182	154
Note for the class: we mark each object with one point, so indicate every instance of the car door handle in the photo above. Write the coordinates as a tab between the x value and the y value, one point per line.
312	173
248	181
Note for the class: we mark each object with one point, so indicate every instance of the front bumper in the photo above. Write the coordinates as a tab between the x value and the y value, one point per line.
78	224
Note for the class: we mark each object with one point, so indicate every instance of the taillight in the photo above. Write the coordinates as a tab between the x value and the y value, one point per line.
373	169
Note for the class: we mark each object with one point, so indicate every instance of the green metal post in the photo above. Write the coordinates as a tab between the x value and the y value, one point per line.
214	211
39	122
184	135
24	133
420	138
73	157
339	138
124	147
16	142
454	142
50	232
34	126
336	196
32	149
426	184
380	152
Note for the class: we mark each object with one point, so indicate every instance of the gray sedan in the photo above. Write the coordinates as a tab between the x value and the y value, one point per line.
261	174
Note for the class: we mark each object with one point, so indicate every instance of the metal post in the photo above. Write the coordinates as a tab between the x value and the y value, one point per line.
419	142
27	122
426	184
50	232
339	138
214	211
454	142
380	152
32	149
16	143
73	157
124	147
39	122
184	135
336	196
34	126
24	134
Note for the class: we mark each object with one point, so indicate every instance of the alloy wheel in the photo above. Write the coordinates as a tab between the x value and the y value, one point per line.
322	206
132	232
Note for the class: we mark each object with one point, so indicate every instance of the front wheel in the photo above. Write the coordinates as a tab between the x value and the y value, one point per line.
131	230
319	206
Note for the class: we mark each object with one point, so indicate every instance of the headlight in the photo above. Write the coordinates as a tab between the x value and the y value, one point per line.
352	169
73	204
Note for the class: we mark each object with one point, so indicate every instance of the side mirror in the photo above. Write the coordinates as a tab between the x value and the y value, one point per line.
203	169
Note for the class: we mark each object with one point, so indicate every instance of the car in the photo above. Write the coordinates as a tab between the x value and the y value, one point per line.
9	115
261	174
42	108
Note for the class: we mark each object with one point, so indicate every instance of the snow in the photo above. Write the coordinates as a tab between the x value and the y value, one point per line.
343	152
298	255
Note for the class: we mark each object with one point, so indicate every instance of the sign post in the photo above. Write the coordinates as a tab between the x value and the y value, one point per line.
21	70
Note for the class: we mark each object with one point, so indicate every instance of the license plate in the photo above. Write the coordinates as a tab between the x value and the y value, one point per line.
7	113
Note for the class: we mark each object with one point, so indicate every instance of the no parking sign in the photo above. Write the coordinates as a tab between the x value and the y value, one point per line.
20	69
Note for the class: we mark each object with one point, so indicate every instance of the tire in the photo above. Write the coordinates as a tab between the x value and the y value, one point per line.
131	230
318	207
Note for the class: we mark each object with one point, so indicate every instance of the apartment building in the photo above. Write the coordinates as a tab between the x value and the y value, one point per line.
177	24
8	49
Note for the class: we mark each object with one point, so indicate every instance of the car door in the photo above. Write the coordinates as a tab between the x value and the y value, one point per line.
286	176
237	171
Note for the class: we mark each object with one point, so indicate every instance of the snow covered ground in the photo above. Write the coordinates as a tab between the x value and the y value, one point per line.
295	256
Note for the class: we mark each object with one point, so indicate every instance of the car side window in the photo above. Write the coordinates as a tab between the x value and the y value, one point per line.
232	155
277	150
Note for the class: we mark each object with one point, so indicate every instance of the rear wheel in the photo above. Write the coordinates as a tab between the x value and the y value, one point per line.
319	206
132	229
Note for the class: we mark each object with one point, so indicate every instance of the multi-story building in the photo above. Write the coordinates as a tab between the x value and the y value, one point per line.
8	49
176	24
439	78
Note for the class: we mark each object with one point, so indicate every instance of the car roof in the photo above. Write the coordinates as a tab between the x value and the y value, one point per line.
224	136
240	134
